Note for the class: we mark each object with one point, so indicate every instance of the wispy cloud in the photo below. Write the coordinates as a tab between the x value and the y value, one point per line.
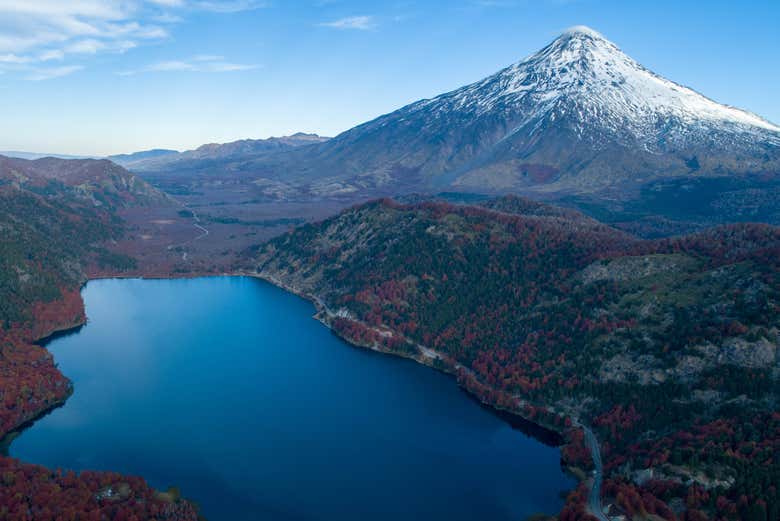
27	25
200	63
168	3
52	72
52	54
167	18
36	31
92	46
358	23
14	59
229	6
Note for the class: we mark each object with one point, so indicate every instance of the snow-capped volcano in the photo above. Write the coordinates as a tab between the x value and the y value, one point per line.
588	78
579	116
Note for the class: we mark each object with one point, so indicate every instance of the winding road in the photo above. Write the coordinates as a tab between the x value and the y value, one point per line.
594	496
196	222
594	506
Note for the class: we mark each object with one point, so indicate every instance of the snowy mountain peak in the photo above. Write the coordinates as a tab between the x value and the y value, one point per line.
609	84
580	115
582	30
581	39
579	43
586	80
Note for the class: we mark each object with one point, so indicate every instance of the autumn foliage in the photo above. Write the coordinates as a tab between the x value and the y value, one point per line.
526	303
49	233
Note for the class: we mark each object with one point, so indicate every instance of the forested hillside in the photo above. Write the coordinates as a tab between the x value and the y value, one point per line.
54	226
56	217
668	348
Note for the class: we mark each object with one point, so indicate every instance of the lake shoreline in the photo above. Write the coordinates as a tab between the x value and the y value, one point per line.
248	283
53	333
9	436
41	340
428	358
541	432
325	317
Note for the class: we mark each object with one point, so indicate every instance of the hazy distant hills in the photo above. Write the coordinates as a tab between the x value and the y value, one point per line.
212	155
127	160
37	155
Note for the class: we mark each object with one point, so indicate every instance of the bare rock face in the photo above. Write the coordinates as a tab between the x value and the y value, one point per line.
743	353
631	268
646	369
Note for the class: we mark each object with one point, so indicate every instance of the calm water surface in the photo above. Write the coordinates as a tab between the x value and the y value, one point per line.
226	388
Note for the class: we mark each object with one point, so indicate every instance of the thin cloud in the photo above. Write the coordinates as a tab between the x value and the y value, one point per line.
200	63
233	6
356	23
229	67
92	46
168	3
27	25
170	66
52	72
167	18
13	58
33	32
54	54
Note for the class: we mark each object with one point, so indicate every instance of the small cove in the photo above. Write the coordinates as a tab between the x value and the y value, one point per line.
226	388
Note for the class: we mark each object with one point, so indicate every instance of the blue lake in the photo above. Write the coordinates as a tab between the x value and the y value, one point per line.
227	388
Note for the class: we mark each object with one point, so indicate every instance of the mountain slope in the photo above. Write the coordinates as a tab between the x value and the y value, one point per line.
98	180
578	116
668	349
56	217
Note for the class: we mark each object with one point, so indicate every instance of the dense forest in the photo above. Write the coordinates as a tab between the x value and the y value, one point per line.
55	224
667	348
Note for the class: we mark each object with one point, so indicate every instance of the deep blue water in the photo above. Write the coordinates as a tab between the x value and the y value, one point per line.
228	389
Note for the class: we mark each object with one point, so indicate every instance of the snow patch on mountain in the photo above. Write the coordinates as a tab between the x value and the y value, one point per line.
586	80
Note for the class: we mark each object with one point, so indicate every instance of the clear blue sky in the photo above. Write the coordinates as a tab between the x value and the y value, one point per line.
109	76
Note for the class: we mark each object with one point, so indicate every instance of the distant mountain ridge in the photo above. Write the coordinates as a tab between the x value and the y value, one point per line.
38	155
98	181
205	155
129	159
